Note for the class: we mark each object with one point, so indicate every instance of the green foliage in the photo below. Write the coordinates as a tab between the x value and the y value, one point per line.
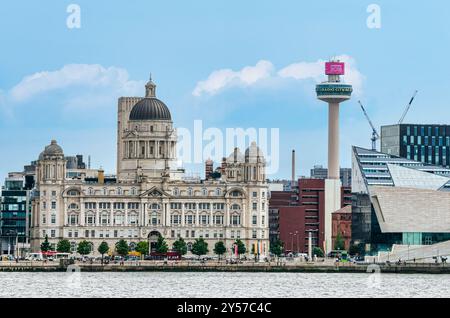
45	246
63	246
161	245
339	243
180	246
84	248
277	248
317	251
241	247
356	249
103	248
142	247
219	248
122	247
200	247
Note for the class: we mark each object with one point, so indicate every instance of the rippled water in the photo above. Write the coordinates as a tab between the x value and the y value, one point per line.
217	284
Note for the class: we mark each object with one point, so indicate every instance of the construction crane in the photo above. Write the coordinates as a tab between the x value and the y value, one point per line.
407	108
375	135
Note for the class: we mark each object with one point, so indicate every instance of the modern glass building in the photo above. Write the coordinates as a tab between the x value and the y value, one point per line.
424	143
15	215
398	201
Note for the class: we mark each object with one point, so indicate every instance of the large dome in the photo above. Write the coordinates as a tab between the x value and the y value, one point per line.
150	108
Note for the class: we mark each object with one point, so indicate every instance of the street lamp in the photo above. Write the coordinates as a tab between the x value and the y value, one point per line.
297	249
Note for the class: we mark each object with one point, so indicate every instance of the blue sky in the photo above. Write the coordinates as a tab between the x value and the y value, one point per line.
184	42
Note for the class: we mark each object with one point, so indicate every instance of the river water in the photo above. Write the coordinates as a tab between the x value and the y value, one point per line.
221	284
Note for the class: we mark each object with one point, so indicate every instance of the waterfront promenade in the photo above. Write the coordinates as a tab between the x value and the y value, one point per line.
328	266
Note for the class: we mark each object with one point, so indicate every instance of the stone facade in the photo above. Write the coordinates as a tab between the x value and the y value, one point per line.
150	195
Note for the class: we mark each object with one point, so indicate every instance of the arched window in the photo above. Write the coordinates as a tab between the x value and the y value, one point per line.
235	207
133	191
176	192
132	246
190	192
90	191
119	191
105	191
155	206
189	246
73	192
204	192
73	206
236	193
218	191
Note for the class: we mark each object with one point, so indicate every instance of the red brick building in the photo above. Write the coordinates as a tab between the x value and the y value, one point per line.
293	215
342	223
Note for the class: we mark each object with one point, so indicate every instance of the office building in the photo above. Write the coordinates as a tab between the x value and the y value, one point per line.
419	142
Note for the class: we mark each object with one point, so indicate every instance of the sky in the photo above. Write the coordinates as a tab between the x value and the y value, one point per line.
251	64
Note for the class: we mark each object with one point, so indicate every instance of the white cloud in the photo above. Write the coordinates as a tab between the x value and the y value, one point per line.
76	75
223	78
250	75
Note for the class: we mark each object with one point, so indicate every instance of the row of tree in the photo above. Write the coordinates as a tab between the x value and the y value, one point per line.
199	247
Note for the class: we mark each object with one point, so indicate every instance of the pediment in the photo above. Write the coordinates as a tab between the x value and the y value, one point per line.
154	192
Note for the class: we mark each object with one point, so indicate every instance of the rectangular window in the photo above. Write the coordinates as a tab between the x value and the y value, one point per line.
115	233
192	233
254	206
53	218
254	220
53	205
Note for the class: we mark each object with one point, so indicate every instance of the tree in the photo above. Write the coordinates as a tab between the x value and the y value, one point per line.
122	248
277	248
241	247
339	243
317	251
103	248
180	246
161	245
63	246
45	246
84	248
200	247
356	249
219	249
142	247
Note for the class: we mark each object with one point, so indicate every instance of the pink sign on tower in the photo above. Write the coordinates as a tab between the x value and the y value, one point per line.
334	68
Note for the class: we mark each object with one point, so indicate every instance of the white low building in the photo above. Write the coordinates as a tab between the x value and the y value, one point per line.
151	196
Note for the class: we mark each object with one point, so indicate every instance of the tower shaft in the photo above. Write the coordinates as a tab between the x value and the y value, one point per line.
333	141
